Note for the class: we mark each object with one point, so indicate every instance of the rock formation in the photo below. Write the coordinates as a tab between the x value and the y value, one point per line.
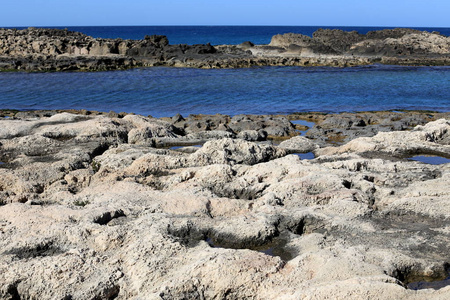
42	49
101	207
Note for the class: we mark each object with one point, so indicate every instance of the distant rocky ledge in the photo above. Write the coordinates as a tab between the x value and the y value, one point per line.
40	49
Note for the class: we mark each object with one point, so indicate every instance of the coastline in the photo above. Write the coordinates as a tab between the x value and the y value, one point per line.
61	50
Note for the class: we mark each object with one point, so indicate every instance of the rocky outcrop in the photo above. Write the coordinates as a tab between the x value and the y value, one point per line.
41	49
422	139
298	42
422	43
37	49
337	39
97	207
382	43
342	128
299	144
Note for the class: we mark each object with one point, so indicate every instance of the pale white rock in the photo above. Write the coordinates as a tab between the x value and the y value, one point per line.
229	151
299	144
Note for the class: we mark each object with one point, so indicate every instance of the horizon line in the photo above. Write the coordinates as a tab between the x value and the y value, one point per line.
63	26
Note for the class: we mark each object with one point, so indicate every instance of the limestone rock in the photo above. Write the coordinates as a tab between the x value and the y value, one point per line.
147	130
228	151
100	217
285	40
274	126
252	135
40	49
299	144
423	139
288	40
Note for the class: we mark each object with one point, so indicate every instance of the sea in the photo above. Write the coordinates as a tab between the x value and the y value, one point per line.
164	92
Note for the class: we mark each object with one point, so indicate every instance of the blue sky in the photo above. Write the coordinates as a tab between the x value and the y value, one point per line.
414	13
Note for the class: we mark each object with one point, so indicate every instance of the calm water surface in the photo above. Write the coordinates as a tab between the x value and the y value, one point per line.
265	90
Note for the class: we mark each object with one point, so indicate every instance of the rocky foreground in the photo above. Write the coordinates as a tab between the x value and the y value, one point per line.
39	49
105	207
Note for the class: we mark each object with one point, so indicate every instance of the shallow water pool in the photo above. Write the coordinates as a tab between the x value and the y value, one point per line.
431	160
308	155
429	285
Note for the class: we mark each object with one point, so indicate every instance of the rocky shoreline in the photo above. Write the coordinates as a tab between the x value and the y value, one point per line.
121	206
40	49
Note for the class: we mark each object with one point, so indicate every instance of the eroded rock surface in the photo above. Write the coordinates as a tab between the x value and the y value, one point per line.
94	207
40	49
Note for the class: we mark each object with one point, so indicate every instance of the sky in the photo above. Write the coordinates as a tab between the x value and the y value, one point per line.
405	13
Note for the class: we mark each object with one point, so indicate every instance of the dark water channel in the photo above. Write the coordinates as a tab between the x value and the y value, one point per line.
277	247
419	285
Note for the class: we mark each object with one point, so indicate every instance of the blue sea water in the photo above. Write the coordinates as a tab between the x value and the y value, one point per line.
162	91
216	35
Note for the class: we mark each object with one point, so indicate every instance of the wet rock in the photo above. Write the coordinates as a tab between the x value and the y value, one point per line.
274	126
201	123
252	135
